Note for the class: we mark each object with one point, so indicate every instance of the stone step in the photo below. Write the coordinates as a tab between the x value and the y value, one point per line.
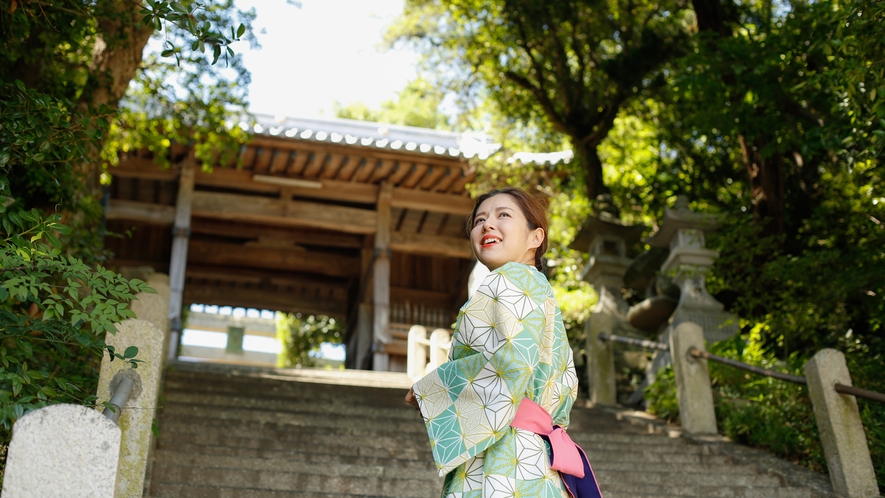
171	490
235	443
248	432
179	401
314	463
183	452
688	478
192	431
362	378
355	468
684	490
388	486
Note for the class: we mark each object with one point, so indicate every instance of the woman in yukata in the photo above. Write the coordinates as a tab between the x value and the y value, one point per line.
495	412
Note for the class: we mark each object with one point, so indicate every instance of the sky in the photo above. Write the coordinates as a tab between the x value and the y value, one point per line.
327	50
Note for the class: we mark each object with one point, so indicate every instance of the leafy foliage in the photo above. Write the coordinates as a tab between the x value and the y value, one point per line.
54	313
63	70
302	336
563	66
418	104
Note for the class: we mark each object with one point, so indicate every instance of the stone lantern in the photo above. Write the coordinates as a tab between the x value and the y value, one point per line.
606	239
682	231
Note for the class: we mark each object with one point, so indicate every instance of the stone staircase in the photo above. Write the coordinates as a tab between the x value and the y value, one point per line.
239	432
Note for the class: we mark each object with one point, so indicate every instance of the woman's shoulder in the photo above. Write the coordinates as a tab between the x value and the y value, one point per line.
520	275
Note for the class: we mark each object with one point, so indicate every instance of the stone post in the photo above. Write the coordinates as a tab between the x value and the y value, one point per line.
138	414
153	308
63	451
696	413
606	239
840	427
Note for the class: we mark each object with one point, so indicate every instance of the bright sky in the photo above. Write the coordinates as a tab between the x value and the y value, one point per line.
325	51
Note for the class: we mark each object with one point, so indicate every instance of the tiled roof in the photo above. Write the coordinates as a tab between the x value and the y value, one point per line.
378	135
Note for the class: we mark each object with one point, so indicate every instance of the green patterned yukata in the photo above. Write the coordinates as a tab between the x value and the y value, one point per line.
509	344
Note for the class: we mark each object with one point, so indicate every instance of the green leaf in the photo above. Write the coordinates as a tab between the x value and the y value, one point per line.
131	352
241	30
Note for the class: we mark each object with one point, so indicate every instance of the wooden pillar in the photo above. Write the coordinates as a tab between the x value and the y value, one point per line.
362	334
177	265
381	281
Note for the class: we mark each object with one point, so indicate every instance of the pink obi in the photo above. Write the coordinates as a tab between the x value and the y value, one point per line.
530	416
565	456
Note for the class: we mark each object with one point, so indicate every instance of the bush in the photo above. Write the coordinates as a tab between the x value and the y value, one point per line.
771	414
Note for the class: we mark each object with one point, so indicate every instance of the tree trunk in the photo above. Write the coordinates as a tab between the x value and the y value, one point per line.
766	176
117	54
587	156
766	185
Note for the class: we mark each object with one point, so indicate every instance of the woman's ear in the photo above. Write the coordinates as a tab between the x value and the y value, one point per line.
536	238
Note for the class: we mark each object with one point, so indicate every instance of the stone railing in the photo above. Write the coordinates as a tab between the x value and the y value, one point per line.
426	353
76	451
829	386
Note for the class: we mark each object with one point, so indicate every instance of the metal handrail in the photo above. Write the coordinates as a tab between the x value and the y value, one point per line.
119	398
695	352
634	342
750	368
860	393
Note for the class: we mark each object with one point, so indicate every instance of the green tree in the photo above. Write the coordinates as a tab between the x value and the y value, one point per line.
302	336
565	66
64	70
418	104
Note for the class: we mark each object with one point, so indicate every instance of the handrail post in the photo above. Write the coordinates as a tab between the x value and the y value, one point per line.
696	412
601	360
841	430
416	352
440	342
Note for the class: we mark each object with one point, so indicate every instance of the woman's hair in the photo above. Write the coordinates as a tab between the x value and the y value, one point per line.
532	209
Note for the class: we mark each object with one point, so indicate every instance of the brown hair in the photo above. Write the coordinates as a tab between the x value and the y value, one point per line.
531	208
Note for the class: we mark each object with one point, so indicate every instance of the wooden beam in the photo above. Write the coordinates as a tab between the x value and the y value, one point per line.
146	169
436	299
264	299
234	255
306	281
431	245
330	190
145	212
238	207
421	200
297	235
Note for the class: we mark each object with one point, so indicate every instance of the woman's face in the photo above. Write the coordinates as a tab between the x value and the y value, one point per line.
501	233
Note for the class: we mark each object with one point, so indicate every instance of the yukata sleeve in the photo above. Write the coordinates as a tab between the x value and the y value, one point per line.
469	402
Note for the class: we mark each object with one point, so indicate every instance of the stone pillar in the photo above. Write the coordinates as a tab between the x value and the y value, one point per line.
154	308
696	413
138	414
601	358
606	239
840	427
235	339
63	451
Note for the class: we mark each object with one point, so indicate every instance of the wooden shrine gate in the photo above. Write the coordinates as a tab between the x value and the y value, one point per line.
334	217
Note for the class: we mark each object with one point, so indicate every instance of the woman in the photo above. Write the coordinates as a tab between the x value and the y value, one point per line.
510	363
